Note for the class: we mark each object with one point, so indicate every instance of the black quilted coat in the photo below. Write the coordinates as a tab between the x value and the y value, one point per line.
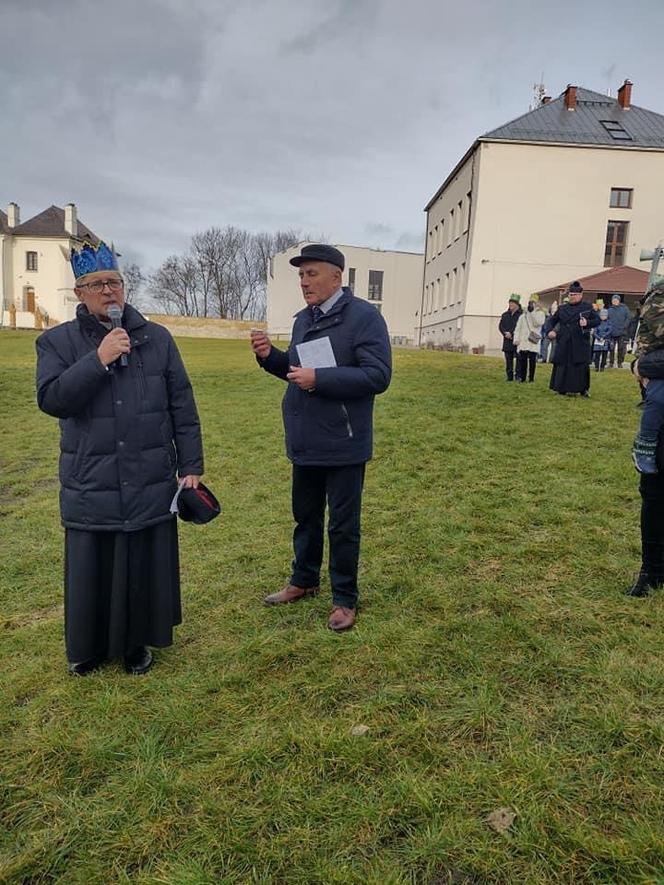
124	432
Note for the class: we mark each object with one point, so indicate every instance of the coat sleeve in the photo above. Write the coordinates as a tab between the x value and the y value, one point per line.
373	369
64	390
593	319
276	363
518	331
184	415
651	365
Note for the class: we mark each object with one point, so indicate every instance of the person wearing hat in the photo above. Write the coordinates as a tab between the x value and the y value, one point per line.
507	327
128	426
338	360
620	319
570	327
527	339
601	338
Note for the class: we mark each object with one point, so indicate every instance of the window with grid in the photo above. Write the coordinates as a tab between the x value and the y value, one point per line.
351	279
621	198
616	131
616	243
375	285
31	261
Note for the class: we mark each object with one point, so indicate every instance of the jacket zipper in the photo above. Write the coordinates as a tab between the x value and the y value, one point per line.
344	412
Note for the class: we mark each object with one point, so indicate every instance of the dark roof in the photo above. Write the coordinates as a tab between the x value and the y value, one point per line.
552	122
3	222
51	223
626	280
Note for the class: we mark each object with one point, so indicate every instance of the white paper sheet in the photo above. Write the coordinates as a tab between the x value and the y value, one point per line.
317	354
174	502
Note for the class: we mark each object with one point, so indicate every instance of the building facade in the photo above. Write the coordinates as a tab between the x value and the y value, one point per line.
36	279
567	190
391	281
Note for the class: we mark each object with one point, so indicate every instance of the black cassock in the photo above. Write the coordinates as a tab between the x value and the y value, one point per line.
571	358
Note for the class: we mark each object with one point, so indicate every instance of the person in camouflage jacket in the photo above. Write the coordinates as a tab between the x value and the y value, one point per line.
650	336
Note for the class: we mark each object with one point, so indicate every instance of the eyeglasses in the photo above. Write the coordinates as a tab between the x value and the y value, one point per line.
97	286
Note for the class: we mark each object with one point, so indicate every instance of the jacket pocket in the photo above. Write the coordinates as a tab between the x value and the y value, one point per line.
167	438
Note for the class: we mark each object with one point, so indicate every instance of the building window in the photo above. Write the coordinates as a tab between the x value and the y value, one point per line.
436	295
459	220
375	285
621	198
31	261
442	234
431	246
450	236
446	291
351	279
615	130
616	242
466	225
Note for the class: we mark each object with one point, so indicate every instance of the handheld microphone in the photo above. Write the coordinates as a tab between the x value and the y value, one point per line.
115	316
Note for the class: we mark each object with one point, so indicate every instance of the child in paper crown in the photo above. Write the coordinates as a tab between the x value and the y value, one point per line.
650	337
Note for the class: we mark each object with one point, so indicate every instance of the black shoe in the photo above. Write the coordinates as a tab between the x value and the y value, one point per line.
643	585
84	668
139	660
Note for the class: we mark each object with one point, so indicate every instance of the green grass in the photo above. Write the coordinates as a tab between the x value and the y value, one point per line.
495	662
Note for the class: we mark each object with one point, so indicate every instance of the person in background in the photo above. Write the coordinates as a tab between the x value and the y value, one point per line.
620	318
128	428
506	327
601	336
527	337
650	339
548	346
570	328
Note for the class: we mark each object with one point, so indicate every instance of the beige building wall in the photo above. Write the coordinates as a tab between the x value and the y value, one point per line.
52	282
539	215
401	293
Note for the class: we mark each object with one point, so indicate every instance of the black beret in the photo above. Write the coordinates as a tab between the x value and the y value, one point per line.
198	505
575	287
320	252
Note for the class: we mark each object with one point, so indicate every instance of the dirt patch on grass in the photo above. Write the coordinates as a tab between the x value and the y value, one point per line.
35	617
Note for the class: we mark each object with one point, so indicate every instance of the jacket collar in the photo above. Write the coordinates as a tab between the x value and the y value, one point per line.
345	299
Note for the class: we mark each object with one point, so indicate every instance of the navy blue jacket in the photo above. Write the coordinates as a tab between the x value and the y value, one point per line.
123	431
620	318
333	425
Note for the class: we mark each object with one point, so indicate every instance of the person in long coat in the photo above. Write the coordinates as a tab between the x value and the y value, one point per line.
570	328
506	327
128	427
527	338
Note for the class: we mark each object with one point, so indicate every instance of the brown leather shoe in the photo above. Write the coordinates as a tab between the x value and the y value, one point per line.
342	618
290	593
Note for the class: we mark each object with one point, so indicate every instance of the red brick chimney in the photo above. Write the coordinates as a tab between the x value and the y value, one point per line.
625	95
570	97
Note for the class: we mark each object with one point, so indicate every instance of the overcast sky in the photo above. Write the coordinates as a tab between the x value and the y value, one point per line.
160	118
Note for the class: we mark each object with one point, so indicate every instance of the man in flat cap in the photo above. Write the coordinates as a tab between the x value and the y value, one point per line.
338	359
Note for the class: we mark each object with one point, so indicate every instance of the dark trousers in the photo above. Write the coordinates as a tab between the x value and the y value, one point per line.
525	365
599	358
341	489
617	346
652	524
509	363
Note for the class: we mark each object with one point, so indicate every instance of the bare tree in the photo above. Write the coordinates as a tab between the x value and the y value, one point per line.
134	280
224	273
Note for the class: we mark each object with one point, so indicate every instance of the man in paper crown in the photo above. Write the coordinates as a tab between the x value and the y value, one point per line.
128	427
338	360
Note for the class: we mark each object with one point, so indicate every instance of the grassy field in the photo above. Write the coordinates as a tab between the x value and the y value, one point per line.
496	662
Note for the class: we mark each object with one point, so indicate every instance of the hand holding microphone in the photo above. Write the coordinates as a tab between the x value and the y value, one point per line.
116	343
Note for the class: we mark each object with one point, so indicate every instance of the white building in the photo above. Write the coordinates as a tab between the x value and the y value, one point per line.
36	279
563	192
391	281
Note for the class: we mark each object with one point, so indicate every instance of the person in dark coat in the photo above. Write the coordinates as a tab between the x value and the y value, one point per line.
338	359
128	426
507	327
570	327
620	319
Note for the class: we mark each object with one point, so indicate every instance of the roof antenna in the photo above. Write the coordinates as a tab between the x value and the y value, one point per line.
539	91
